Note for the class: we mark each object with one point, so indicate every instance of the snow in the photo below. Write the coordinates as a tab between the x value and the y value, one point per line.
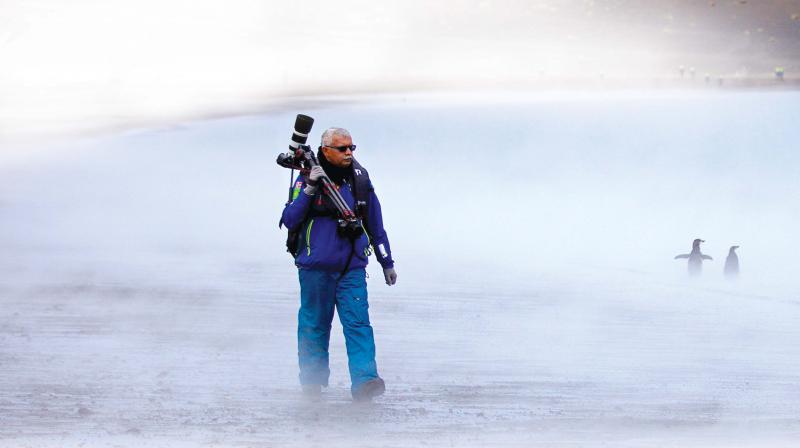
147	299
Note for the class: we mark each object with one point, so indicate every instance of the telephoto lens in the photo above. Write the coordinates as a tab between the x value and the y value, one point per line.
302	126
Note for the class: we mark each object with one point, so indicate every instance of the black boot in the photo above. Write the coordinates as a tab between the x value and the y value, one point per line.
371	388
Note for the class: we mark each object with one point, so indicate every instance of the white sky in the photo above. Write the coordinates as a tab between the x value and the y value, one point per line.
85	64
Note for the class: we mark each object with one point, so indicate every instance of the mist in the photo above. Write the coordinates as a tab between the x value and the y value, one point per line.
147	294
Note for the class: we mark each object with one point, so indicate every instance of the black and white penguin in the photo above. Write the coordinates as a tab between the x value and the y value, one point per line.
695	258
732	263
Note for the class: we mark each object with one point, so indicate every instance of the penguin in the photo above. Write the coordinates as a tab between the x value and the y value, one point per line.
732	263
695	258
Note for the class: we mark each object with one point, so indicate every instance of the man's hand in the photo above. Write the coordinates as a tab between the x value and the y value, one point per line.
314	175
390	275
312	179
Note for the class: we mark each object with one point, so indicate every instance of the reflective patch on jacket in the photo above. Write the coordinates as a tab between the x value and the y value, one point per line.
298	187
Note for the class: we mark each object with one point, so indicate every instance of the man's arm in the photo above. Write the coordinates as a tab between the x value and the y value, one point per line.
302	196
380	241
295	213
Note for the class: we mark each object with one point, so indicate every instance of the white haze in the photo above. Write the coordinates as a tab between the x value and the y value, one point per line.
147	298
93	65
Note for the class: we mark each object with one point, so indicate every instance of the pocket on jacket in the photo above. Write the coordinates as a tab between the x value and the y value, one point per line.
362	246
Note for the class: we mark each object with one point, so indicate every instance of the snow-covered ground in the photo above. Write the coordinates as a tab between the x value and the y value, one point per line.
146	298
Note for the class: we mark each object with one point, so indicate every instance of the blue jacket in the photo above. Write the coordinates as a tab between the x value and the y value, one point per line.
321	247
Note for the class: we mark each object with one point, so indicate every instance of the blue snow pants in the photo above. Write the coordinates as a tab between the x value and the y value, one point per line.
320	292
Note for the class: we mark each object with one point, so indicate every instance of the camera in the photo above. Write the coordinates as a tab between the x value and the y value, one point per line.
351	229
298	150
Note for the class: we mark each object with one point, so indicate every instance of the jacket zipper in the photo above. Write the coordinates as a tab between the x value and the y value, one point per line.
308	237
367	250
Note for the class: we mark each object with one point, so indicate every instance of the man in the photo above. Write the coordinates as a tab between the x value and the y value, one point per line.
331	267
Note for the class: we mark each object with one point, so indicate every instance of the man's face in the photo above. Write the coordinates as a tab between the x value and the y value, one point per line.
336	157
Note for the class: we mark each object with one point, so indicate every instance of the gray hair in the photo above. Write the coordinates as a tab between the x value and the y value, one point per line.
327	136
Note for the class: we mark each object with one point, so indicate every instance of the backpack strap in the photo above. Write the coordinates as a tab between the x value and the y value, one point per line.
362	191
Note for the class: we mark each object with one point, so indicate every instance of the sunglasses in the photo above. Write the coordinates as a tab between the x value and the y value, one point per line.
352	148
